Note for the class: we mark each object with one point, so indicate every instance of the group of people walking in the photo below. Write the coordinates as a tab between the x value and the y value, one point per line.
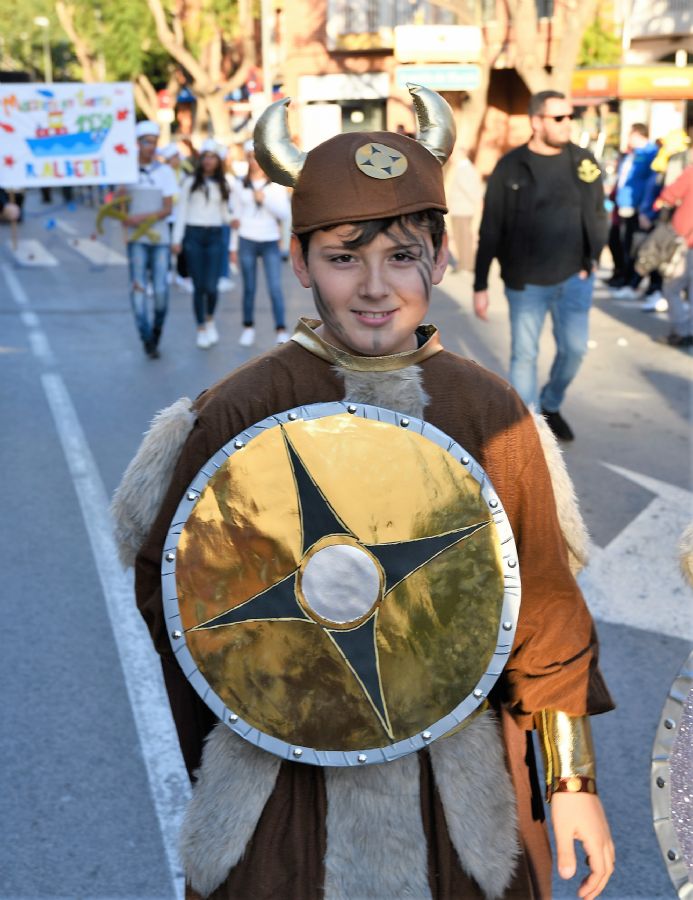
544	218
191	214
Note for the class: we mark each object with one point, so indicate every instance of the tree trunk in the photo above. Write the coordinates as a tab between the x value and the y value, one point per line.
145	97
218	115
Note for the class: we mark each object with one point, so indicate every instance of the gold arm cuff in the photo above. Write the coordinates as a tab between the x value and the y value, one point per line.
567	750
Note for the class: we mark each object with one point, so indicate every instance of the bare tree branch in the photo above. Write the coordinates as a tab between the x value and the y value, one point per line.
246	27
178	50
85	56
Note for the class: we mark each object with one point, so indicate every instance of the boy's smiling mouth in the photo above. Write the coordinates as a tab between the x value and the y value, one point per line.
373	318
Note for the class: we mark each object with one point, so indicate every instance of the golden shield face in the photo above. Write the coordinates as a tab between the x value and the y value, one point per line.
342	584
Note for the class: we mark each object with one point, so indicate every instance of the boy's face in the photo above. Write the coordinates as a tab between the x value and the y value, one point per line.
371	299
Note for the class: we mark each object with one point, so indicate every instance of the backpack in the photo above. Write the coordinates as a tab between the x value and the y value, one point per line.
664	250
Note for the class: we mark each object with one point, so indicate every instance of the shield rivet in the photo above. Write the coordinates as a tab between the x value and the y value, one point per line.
298	752
672	855
176	635
351	409
192	496
427	735
493	503
292	416
170	556
239	445
478	693
362	758
404	423
512	563
507	626
669	724
233	717
465	460
660	782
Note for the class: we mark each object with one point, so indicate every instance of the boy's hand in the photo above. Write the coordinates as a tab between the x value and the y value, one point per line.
481	304
581	817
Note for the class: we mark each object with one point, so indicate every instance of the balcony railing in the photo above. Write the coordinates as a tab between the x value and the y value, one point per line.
660	18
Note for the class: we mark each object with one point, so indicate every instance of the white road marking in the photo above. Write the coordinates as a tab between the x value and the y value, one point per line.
97	252
16	289
636	580
65	227
168	779
30	252
30	319
41	348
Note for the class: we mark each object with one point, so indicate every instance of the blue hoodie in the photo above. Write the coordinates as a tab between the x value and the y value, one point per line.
630	193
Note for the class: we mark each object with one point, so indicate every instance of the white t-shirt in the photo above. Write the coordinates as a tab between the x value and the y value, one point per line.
259	222
156	182
205	207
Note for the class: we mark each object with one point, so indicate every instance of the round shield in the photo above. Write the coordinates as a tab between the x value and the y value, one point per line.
672	781
341	584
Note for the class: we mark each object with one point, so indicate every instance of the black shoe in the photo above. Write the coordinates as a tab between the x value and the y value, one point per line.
151	349
558	425
676	340
616	281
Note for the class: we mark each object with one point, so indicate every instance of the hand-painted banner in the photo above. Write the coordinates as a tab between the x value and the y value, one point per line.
59	134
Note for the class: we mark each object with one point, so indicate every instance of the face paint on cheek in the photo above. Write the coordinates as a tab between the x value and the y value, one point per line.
424	266
325	312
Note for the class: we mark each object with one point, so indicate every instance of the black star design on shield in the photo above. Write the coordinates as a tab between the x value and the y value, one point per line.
398	561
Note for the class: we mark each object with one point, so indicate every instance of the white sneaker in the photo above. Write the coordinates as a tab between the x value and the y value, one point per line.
185	284
224	284
655	302
212	334
247	338
203	339
282	336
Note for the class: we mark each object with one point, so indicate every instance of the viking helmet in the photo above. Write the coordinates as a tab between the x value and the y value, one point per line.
358	176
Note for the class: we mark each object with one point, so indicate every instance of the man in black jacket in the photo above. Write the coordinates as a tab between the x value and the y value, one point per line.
544	220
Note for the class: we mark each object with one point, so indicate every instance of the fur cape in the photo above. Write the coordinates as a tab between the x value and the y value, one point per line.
235	779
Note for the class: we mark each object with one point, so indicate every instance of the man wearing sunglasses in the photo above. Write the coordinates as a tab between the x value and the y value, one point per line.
544	219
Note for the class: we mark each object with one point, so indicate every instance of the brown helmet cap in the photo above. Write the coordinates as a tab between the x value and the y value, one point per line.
366	175
358	176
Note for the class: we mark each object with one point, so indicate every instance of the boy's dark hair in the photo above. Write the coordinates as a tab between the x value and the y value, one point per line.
640	128
432	220
538	101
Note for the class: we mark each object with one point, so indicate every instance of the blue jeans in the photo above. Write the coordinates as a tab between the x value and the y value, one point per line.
204	250
248	253
569	303
225	238
149	261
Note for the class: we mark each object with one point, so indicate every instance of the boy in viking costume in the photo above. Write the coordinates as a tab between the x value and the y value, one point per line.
327	546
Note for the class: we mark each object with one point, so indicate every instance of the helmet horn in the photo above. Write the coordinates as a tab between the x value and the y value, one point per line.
437	129
279	157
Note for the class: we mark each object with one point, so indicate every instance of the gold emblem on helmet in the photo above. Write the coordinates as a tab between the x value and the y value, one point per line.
380	161
588	171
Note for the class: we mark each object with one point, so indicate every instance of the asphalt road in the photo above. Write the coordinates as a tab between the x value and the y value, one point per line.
90	782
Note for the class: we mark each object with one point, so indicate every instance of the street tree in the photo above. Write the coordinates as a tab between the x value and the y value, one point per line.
213	44
112	41
525	51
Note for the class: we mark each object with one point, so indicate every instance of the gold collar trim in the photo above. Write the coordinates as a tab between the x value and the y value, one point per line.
305	336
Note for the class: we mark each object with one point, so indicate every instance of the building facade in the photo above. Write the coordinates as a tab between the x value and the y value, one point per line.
345	63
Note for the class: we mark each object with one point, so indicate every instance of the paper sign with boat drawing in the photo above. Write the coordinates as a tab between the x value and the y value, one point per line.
60	134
